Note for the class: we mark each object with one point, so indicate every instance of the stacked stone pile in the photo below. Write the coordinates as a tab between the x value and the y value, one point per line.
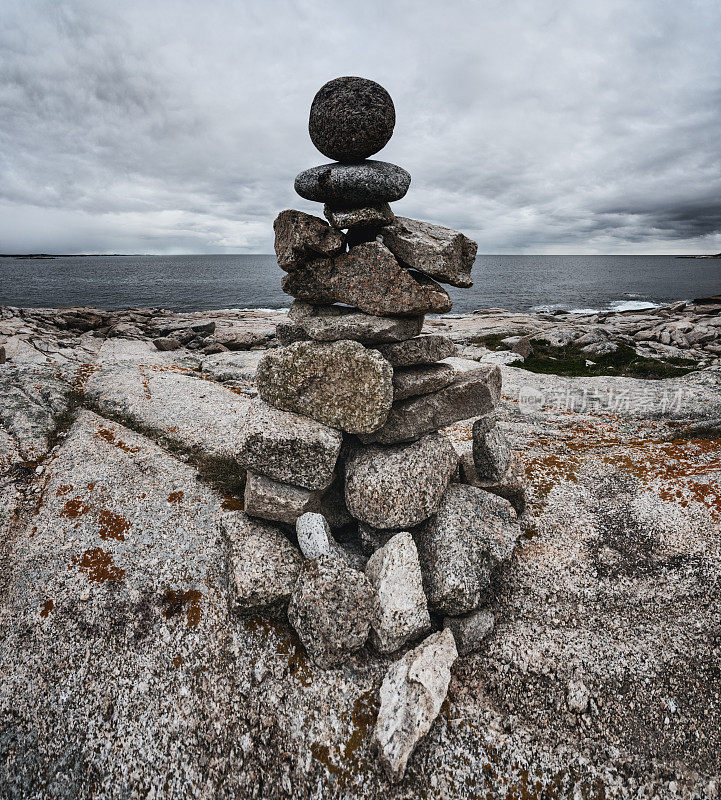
344	440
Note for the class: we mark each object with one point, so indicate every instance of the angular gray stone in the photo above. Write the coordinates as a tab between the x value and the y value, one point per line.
470	394
441	253
165	343
288	447
359	216
491	451
341	384
315	539
511	486
421	350
264	564
470	631
411	695
331	323
369	278
372	539
399	486
288	332
300	237
459	547
367	183
276	501
401	613
330	609
351	118
423	379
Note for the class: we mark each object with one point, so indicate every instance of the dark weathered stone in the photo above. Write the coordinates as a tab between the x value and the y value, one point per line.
439	252
370	279
423	379
460	546
341	384
351	118
278	501
511	485
331	609
398	487
288	447
300	237
331	323
470	631
165	343
359	216
421	350
471	394
287	332
364	184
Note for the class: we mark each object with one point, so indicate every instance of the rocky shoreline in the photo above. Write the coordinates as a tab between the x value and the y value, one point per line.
598	671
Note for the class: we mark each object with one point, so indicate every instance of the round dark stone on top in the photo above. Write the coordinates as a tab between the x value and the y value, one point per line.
346	185
351	118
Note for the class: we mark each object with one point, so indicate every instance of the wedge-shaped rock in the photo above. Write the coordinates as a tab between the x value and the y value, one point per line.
411	695
470	631
423	379
421	350
264	564
511	485
341	384
369	278
300	237
289	447
462	544
491	450
470	394
360	216
400	614
400	486
331	609
315	539
331	323
441	253
276	501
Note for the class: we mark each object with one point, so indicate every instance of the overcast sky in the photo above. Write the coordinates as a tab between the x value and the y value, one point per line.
535	126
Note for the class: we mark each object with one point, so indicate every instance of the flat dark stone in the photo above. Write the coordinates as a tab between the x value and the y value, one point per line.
367	183
351	118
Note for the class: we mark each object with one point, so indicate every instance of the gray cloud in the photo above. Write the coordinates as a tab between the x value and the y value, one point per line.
178	126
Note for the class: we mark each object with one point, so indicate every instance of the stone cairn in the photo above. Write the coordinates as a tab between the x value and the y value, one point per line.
399	539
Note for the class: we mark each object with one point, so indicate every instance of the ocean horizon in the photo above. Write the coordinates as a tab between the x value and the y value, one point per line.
580	283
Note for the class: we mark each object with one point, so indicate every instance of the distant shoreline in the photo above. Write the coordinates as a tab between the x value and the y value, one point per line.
45	256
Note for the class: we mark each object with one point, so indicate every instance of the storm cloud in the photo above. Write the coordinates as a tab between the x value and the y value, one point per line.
536	126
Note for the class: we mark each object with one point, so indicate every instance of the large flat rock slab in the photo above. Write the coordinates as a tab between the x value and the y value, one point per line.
174	403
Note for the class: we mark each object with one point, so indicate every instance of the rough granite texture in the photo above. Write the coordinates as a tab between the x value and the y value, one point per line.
326	323
411	696
470	535
359	216
424	349
470	630
288	447
341	384
331	610
400	486
300	237
369	278
277	501
441	253
422	379
472	393
264	564
400	614
351	118
367	183
491	451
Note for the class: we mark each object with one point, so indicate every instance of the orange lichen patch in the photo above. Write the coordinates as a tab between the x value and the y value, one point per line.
65	488
176	602
172	429
287	644
347	761
81	375
233	504
177	661
47	608
74	508
98	565
545	471
90	486
112	526
110	438
176	497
